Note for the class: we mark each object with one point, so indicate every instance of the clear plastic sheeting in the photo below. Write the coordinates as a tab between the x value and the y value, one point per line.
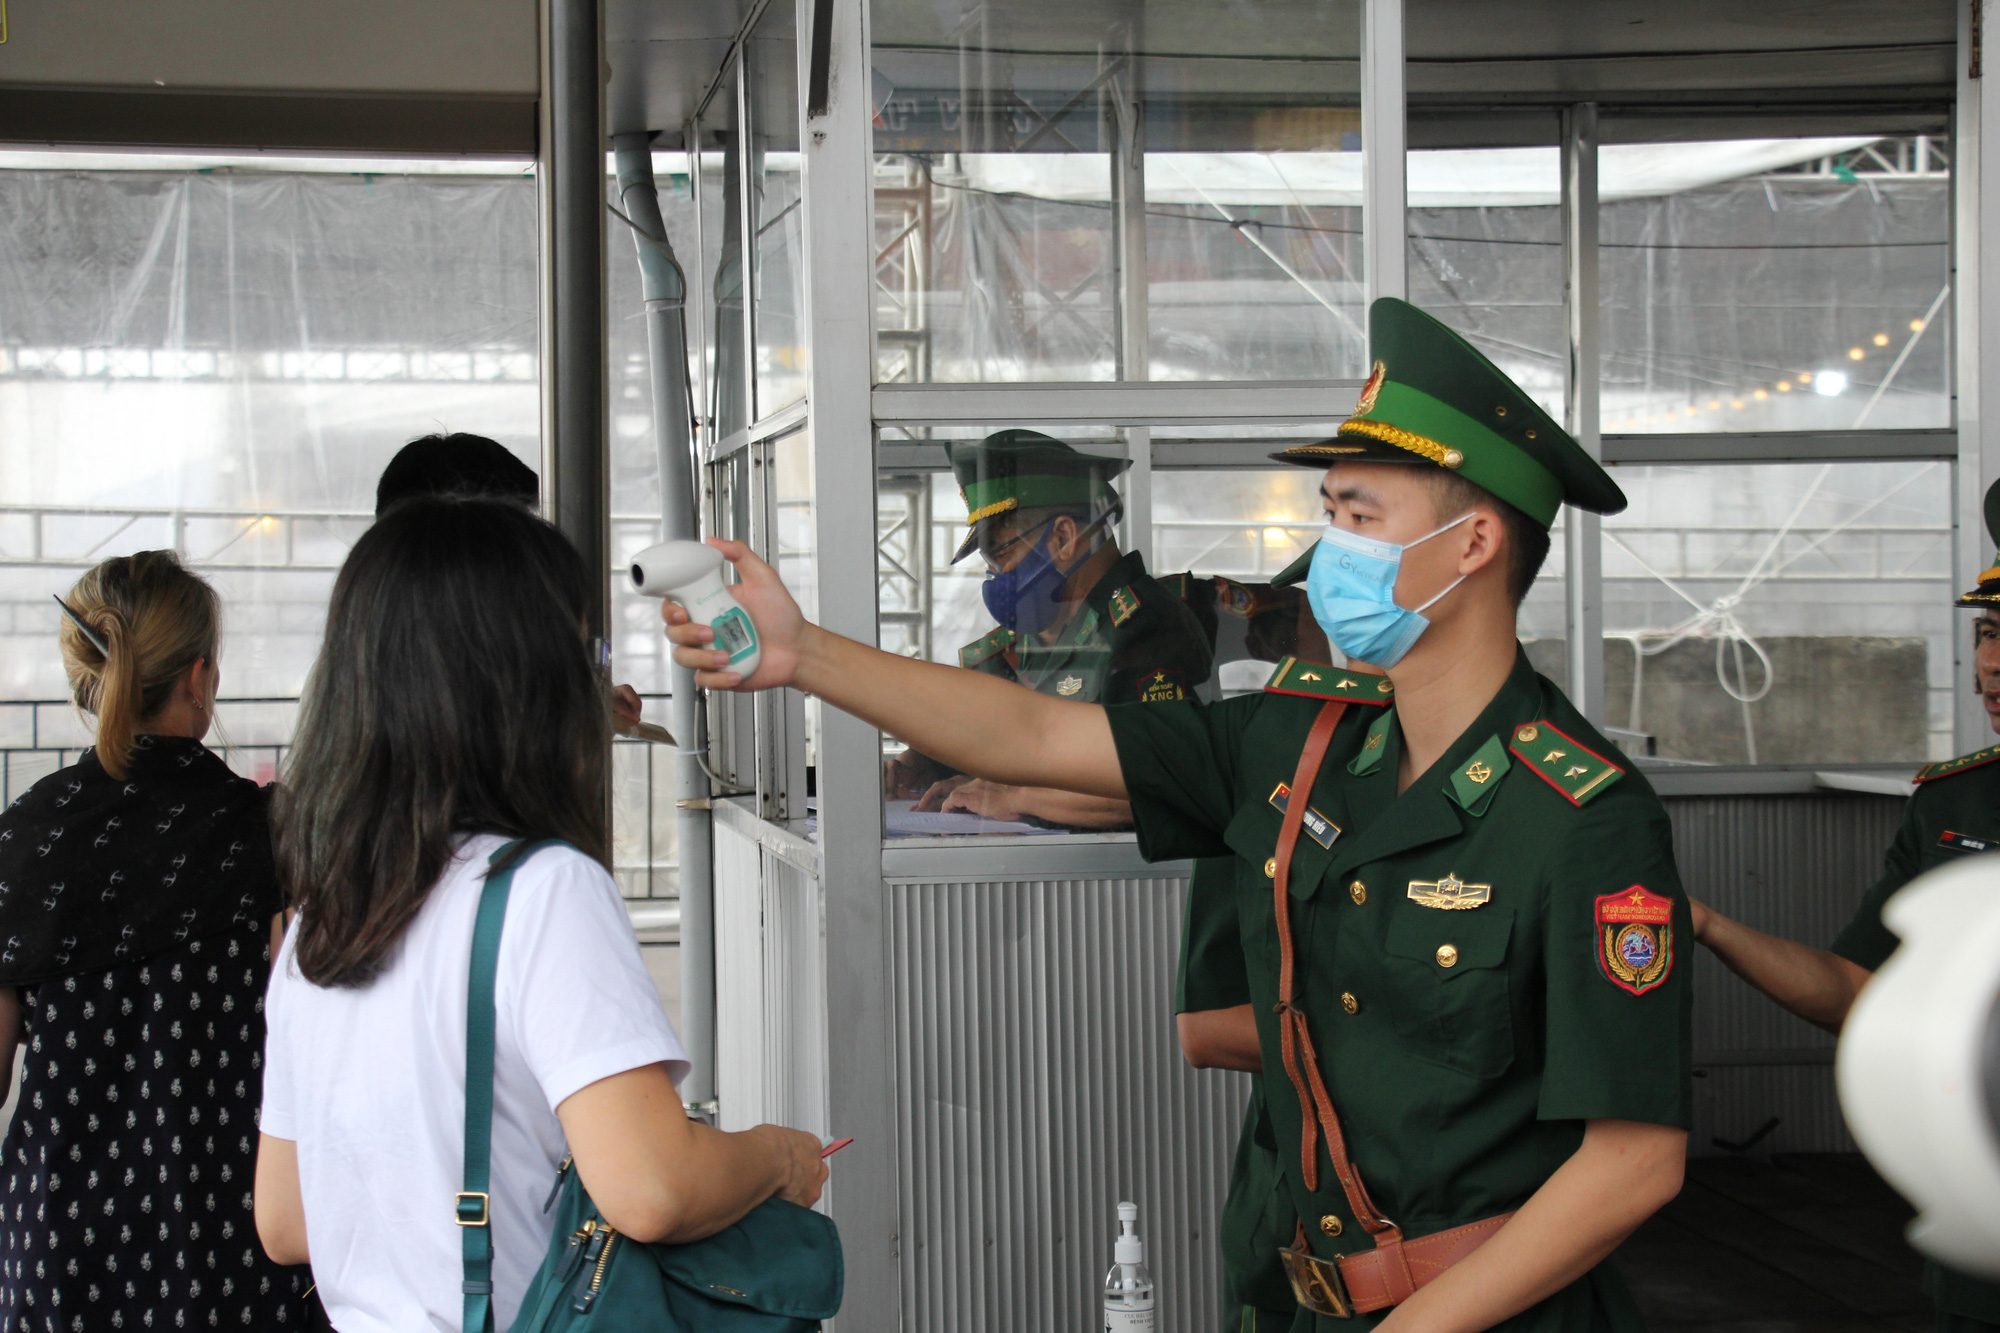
1802	300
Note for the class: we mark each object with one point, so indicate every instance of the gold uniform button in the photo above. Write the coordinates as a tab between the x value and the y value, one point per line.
1358	891
1271	868
1349	1003
1329	1225
1447	955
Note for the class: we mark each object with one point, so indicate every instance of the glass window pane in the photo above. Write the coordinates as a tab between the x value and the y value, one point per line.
221	361
1775	285
1026	158
776	217
1783	614
1485	247
722	258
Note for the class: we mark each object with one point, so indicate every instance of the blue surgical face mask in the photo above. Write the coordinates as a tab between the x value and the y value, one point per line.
1352	590
1028	598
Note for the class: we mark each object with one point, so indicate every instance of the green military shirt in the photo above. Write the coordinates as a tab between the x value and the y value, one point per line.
1257	1216
1468	952
1130	641
1954	813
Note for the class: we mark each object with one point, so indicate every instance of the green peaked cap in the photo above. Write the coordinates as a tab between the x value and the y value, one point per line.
1025	469
1433	398
1988	592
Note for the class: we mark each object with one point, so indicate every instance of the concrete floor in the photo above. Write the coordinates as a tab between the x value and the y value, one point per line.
1811	1243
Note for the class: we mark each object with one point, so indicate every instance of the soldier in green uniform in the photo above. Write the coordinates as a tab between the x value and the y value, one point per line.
1954	813
1460	920
1078	618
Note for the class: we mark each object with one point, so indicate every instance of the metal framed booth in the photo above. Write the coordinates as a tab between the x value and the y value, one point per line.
1154	230
1740	255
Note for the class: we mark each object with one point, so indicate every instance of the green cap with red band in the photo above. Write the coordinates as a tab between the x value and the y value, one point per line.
1433	399
1018	469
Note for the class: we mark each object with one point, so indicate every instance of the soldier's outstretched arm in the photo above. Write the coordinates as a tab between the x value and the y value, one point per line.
985	726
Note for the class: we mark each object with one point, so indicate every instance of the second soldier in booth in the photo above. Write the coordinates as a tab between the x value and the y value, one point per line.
1954	813
1460	919
1076	617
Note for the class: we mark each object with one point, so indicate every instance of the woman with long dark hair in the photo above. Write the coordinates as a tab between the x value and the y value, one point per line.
454	707
137	902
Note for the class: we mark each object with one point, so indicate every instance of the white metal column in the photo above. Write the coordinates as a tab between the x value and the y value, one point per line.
1975	176
1583	547
1383	140
839	278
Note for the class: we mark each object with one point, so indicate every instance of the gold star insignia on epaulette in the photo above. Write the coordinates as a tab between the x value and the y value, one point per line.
1585	775
1308	675
1944	768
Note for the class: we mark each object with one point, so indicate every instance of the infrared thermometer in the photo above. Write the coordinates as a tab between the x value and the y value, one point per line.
691	574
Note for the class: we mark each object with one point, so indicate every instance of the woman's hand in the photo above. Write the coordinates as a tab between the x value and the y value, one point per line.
781	628
935	795
803	1169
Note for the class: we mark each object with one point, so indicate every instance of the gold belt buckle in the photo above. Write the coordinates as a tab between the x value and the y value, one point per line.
1317	1284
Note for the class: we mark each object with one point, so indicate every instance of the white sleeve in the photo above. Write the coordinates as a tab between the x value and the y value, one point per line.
274	1116
573	992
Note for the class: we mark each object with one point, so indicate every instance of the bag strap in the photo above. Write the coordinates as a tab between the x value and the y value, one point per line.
474	1207
1316	1111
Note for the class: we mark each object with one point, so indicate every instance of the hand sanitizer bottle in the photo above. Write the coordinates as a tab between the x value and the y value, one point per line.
1128	1287
691	574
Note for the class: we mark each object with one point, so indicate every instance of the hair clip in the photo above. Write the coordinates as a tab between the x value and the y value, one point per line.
96	639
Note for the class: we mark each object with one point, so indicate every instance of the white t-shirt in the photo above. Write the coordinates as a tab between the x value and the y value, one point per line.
370	1083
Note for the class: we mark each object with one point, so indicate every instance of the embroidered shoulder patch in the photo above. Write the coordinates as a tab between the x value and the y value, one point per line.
1944	768
1124	605
1236	599
1316	680
1635	938
979	650
1573	769
1161	687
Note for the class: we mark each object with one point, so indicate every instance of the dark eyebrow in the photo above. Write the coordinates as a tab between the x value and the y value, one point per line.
1351	492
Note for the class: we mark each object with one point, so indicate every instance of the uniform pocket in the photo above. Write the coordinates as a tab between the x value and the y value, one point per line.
1452	1002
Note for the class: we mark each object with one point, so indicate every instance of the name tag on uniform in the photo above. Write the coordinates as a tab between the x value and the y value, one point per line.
1322	829
1960	842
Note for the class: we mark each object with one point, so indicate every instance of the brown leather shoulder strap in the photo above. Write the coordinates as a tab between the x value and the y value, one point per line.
1301	1062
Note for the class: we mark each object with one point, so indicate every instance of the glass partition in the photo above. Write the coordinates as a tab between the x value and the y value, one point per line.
1088	192
1775	284
776	216
1796	613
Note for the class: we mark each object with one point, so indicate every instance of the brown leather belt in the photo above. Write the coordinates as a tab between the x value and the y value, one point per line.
1387	1275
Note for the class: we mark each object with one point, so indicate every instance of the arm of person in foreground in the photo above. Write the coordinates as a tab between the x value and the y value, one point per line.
1623	1173
657	1174
1816	985
979	724
1221	1039
279	1209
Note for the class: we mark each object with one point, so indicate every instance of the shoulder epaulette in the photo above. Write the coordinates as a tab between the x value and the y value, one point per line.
979	650
1572	768
1177	584
1124	604
1944	768
1316	680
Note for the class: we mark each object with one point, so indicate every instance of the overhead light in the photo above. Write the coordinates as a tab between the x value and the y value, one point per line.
1855	354
1916	326
1831	383
1881	340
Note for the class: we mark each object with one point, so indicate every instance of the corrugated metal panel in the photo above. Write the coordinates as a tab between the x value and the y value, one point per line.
1794	866
770	989
795	1028
1039	1083
739	979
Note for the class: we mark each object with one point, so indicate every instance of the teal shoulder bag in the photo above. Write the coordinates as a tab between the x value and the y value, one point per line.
777	1270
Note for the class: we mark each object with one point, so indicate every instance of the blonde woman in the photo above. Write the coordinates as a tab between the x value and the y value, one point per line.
137	903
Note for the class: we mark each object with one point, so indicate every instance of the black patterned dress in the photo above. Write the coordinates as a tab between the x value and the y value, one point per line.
126	1174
